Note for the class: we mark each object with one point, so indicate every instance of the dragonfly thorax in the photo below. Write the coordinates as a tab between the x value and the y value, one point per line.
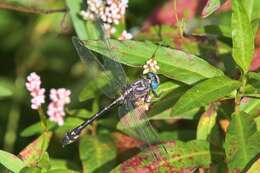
138	90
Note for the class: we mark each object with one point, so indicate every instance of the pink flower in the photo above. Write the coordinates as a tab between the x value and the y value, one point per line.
125	36
59	98
33	86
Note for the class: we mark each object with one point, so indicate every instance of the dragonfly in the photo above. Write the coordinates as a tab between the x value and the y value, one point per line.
129	95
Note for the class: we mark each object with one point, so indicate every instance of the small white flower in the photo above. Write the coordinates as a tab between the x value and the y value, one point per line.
110	12
125	36
151	66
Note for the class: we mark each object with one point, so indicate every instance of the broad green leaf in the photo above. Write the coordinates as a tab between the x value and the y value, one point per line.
241	141
206	123
173	63
255	167
78	23
5	92
178	134
63	164
11	162
250	105
93	86
211	7
44	162
161	109
61	171
253	84
251	8
181	156
205	92
33	152
82	113
242	36
255	11
166	87
96	152
257	120
254	75
31	170
36	129
69	124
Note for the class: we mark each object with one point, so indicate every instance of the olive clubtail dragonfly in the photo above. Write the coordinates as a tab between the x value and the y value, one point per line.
129	94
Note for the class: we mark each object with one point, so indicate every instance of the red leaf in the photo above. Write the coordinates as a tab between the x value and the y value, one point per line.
124	142
255	65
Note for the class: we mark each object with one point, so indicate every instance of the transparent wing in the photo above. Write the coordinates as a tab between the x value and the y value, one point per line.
111	63
109	85
135	123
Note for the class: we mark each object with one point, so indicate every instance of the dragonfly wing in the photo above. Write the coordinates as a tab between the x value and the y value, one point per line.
135	123
111	63
106	81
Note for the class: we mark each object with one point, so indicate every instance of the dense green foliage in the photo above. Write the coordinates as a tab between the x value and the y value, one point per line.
207	115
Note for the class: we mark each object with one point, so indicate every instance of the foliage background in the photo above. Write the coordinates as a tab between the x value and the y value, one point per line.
42	43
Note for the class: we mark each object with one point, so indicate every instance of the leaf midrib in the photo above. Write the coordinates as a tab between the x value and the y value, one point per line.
243	142
206	93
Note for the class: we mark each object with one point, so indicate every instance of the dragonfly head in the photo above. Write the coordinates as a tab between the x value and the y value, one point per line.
154	78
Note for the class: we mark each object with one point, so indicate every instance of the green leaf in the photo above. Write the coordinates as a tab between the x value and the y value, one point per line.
249	7
31	170
44	162
69	124
63	164
255	76
206	123
257	120
34	152
82	113
211	7
255	167
250	105
11	162
255	15
205	92
161	109
36	129
173	63
78	23
5	92
166	87
97	152
242	36
180	156
93	86
61	171
253	83
178	134
242	141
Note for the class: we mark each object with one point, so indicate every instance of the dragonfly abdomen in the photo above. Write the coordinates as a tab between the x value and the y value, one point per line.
74	133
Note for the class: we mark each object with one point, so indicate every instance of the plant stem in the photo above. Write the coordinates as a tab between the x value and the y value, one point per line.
8	6
43	119
240	93
12	125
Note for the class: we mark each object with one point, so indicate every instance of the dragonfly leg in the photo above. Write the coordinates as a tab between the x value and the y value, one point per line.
155	94
147	99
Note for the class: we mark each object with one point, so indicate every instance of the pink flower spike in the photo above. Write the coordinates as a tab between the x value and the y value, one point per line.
33	86
59	98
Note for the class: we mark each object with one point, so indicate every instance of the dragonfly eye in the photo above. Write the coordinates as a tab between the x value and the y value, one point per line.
154	80
154	84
